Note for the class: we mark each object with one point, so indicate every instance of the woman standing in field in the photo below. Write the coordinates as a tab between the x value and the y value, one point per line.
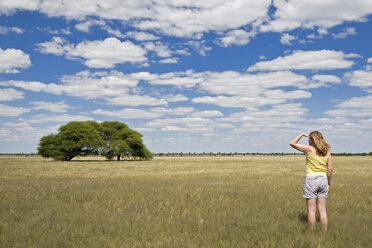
318	175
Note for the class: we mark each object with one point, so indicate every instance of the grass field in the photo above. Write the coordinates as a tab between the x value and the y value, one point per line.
252	201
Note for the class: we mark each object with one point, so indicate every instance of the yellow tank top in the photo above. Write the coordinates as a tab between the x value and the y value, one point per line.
316	165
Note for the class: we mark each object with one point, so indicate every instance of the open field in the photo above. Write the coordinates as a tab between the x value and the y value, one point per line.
251	201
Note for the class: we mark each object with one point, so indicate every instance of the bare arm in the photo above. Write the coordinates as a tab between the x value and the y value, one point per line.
303	148
329	169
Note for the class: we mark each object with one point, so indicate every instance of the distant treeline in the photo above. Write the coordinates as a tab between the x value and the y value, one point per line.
190	154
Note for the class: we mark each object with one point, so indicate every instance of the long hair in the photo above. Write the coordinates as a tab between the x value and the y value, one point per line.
321	145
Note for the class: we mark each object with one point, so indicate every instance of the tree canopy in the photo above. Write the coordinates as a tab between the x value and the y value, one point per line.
111	139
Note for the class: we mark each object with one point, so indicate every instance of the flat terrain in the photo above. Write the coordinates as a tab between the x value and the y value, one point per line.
248	201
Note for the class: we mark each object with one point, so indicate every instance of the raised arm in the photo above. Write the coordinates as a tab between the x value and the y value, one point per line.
329	169
303	148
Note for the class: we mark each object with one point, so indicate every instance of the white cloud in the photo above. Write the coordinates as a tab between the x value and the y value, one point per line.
57	46
199	46
251	101
169	61
344	33
58	107
161	50
10	94
236	37
186	19
10	6
180	79
85	26
355	107
6	110
129	113
207	113
175	98
246	84
369	60
114	32
142	36
318	81
307	60
293	14
135	100
286	39
326	78
108	53
12	59
175	18
186	124
361	79
6	30
64	118
97	54
276	119
24	132
27	85
262	57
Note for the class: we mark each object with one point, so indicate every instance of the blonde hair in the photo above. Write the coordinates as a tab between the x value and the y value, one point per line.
320	143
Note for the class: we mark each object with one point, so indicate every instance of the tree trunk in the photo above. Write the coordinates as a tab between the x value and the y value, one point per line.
119	157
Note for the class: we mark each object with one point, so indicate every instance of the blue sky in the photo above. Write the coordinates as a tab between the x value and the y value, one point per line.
191	76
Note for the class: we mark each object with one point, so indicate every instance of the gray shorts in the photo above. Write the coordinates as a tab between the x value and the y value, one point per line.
315	186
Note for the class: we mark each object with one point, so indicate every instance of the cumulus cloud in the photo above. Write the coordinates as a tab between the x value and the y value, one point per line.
252	101
135	100
129	113
108	53
142	36
293	14
12	59
6	110
85	26
344	33
236	37
63	118
180	79
354	107
318	81
30	85
10	94
9	6
113	87
307	60
169	61
6	30
246	84
58	107
361	79
175	98
159	48
186	124
175	18
97	54
286	39
207	113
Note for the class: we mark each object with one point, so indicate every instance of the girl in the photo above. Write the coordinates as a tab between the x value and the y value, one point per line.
318	175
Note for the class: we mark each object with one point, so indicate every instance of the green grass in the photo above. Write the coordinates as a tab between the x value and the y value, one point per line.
251	201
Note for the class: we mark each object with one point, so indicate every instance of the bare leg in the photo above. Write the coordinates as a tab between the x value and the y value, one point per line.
323	213
311	209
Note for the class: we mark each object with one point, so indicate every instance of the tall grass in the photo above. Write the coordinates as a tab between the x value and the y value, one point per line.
251	201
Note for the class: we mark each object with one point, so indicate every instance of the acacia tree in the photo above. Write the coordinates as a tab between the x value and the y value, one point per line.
121	141
73	139
110	138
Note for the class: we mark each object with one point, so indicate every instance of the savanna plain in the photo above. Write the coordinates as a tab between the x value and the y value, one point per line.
237	201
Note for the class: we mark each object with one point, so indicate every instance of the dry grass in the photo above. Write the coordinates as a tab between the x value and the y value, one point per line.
252	201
